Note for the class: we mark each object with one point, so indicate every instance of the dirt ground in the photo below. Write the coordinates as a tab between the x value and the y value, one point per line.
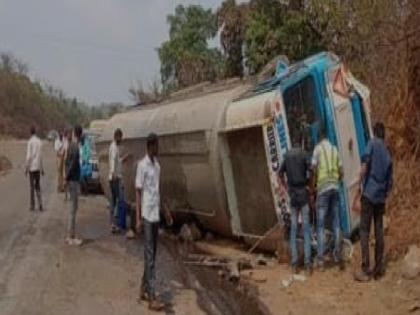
329	292
39	274
334	292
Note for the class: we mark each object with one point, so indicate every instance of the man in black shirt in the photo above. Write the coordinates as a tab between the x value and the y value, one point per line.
295	168
73	182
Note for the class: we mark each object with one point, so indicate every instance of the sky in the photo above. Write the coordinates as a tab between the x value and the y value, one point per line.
92	49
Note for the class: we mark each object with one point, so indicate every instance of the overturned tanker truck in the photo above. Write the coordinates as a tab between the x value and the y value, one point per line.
220	151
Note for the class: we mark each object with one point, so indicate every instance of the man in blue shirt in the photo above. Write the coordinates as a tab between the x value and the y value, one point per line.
376	180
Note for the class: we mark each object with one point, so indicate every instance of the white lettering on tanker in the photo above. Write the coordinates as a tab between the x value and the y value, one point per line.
273	161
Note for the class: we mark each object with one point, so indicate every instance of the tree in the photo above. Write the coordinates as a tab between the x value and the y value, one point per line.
24	102
9	63
143	96
274	28
231	19
186	58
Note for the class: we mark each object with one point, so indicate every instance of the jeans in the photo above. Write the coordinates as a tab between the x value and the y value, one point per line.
328	201
35	187
150	246
372	211
115	198
306	234
74	188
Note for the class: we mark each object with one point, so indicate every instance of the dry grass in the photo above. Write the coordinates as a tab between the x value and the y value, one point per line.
404	207
402	119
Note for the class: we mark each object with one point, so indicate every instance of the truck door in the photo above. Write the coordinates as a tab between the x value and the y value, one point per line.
346	141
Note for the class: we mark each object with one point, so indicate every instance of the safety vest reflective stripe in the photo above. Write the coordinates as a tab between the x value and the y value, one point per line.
328	169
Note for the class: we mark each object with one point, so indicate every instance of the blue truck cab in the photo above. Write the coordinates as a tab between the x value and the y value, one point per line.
319	92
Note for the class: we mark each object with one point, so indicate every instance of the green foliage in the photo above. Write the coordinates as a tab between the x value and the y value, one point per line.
275	29
256	31
186	58
24	103
231	19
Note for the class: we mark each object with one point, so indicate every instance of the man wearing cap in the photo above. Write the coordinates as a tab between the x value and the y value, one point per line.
148	206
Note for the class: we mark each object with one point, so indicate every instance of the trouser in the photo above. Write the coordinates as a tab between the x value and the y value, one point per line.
73	188
115	198
372	211
35	187
306	234
60	173
328	201
133	219
150	230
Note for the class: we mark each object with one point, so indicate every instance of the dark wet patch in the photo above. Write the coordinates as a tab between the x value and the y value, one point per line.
216	295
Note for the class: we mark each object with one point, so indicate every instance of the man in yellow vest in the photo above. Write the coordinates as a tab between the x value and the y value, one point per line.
327	173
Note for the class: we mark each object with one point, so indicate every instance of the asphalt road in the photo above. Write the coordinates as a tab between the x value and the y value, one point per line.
40	274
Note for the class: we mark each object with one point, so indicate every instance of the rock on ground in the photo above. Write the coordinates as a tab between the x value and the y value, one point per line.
190	233
411	263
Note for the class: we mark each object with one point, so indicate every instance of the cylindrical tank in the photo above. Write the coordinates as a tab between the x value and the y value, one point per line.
188	130
97	125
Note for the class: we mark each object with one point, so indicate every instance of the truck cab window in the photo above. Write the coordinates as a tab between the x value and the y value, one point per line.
300	102
364	122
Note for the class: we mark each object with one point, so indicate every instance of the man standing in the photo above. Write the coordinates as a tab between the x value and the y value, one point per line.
376	180
35	168
67	139
73	184
115	175
295	167
327	172
59	150
148	211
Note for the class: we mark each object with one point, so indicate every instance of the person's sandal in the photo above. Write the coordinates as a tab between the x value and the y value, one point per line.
361	277
77	242
156	305
144	297
114	229
130	234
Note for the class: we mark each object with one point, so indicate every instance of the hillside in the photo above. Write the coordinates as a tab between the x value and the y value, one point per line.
24	102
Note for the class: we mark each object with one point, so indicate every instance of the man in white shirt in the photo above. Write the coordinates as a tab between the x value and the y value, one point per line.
59	149
67	139
148	206
115	176
34	168
58	143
